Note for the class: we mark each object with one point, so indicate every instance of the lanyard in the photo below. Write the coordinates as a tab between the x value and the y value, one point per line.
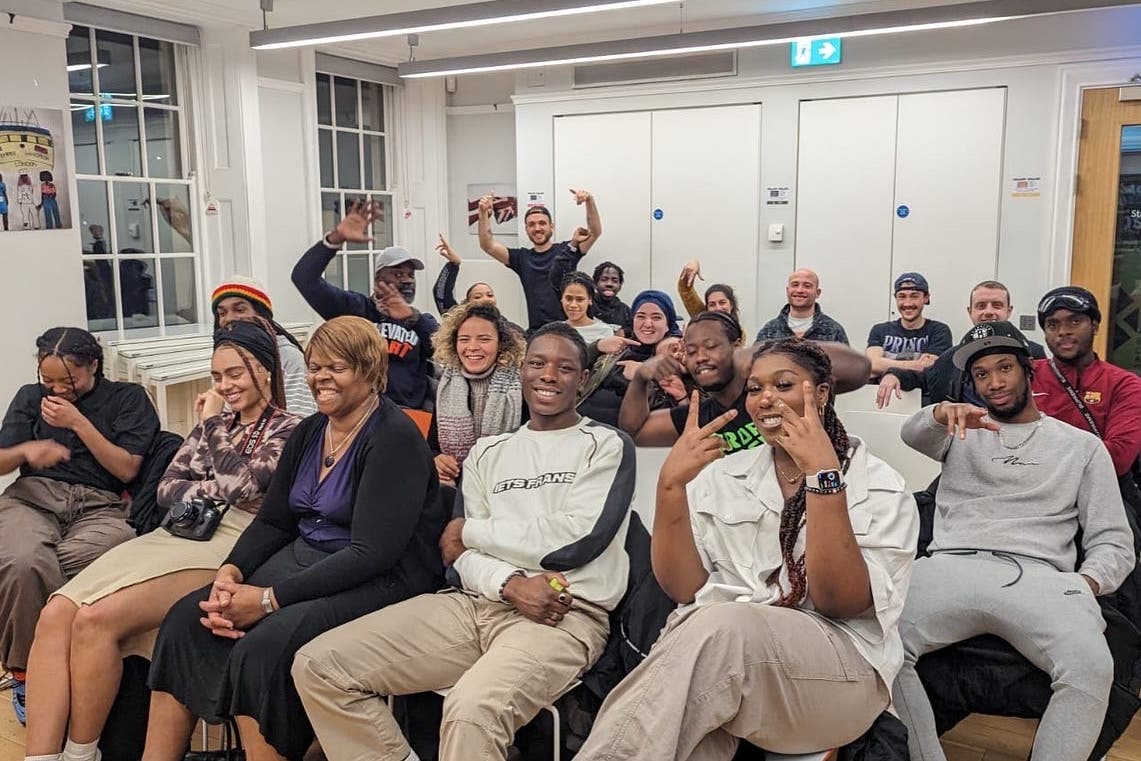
1082	408
253	437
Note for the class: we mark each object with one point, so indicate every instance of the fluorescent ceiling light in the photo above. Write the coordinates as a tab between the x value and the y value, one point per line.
434	19
864	25
85	66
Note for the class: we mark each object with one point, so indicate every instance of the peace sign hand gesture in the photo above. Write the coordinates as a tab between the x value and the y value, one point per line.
695	448
804	438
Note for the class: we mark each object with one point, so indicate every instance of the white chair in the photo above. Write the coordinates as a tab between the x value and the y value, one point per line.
864	399
880	432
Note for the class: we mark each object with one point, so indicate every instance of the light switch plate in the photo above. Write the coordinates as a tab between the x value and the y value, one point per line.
1027	322
776	233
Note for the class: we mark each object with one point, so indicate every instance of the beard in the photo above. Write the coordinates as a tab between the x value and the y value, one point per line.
1012	410
408	291
540	239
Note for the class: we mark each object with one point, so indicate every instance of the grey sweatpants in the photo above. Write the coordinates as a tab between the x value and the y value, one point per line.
1050	617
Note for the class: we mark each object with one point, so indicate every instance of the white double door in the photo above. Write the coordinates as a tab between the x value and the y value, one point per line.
671	185
893	184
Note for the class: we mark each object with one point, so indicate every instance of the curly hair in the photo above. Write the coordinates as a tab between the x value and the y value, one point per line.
511	345
812	359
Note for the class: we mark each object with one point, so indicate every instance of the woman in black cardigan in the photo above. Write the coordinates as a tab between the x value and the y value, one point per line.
349	524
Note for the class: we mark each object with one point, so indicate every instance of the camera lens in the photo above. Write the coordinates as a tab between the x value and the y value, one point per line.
184	512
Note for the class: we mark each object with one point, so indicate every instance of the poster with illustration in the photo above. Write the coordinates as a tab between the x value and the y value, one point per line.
504	209
33	170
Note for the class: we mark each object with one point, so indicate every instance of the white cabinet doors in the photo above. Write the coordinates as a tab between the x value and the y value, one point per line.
892	184
671	185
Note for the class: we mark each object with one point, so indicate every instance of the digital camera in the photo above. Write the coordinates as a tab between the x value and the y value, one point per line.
195	519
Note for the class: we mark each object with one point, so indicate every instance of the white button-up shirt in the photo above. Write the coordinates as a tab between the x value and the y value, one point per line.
735	507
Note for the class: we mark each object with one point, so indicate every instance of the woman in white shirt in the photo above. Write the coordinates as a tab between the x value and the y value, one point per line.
757	651
577	295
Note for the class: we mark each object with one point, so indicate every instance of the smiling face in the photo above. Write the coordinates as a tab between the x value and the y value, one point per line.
609	283
539	230
776	377
551	375
402	277
479	293
576	303
989	305
1002	383
337	386
246	395
718	301
803	289
650	325
909	303
65	378
709	355
1069	335
477	345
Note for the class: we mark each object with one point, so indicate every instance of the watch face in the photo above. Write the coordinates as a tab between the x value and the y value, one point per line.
828	479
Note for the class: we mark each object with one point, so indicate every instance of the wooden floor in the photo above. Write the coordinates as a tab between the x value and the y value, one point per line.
979	738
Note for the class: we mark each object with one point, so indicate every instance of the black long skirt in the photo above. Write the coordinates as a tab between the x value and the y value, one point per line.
216	678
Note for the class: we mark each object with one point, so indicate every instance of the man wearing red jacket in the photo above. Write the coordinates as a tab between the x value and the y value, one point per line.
1110	397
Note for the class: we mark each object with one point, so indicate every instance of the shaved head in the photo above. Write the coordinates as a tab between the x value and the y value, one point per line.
805	274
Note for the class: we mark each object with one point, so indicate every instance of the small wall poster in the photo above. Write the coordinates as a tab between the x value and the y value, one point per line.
34	181
504	209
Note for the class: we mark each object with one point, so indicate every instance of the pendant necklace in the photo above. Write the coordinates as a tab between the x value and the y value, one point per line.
784	475
331	459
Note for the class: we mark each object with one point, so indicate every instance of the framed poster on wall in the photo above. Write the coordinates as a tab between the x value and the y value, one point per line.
33	171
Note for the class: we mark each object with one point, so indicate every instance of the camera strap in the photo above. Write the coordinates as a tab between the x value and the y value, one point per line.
1082	408
254	436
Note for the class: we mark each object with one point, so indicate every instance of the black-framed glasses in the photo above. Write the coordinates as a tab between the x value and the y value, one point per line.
1072	301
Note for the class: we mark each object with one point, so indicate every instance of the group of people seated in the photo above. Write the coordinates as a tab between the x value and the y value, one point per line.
320	552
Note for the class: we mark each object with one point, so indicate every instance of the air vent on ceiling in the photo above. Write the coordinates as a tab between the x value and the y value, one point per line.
697	66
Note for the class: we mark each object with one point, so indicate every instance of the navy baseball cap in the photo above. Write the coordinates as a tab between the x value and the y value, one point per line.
1071	297
911	281
989	335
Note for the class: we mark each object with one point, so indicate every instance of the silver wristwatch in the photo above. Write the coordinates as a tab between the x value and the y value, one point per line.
825	482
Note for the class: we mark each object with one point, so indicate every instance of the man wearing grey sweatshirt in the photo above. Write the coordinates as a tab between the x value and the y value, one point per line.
1016	488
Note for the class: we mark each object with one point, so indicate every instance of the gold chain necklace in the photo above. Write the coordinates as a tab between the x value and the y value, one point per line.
330	459
784	475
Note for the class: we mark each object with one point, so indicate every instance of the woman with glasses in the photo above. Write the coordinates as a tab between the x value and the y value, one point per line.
77	439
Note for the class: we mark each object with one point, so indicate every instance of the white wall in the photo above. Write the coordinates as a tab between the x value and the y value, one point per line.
1021	56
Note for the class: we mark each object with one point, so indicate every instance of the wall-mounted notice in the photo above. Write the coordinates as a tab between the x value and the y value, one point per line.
536	198
1025	187
33	173
777	196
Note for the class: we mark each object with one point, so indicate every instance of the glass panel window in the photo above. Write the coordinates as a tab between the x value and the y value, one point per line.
164	151
94	222
175	222
1125	289
330	210
382	227
372	106
83	117
179	291
121	140
374	162
345	95
324	100
137	292
132	202
360	273
325	149
156	64
79	78
99	289
348	160
117	78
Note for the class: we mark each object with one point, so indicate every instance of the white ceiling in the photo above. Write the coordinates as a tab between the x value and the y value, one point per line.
690	15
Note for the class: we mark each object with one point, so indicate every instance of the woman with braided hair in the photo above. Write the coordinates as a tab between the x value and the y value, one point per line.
790	562
77	439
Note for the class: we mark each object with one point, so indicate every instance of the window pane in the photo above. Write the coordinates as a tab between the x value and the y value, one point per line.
382	227
93	219
156	63
175	222
372	106
137	291
99	290
117	78
83	130
179	291
324	100
348	160
330	210
360	274
164	151
345	93
333	272
121	140
79	77
325	149
132	218
374	162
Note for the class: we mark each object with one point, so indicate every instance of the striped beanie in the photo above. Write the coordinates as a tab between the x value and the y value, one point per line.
243	288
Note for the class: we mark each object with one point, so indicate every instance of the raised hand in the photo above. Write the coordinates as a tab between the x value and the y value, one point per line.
44	453
60	413
695	448
208	404
536	599
889	385
580	236
615	344
581	196
446	251
486	204
354	226
691	272
660	368
803	436
959	418
391	302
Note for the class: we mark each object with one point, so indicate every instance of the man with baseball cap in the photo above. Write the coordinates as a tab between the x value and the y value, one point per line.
407	329
912	342
533	265
1017	489
1078	387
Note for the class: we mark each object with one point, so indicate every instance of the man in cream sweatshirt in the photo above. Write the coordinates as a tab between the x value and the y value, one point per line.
538	558
1017	487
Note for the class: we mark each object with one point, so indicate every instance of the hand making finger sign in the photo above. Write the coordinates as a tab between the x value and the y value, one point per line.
959	418
803	436
697	446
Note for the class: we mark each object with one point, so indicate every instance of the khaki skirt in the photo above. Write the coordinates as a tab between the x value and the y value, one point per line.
151	556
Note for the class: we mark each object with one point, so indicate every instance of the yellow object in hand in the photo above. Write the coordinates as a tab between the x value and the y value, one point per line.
556	585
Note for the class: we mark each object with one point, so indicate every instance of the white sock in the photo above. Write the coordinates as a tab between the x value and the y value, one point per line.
73	751
52	757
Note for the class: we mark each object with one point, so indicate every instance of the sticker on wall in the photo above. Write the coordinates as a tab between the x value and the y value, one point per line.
658	214
902	211
504	207
33	174
536	198
1025	187
777	196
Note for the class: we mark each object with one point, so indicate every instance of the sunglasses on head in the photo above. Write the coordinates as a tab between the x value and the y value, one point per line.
1070	301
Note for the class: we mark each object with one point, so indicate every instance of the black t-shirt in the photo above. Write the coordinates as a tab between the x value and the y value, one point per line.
739	433
903	343
120	411
534	271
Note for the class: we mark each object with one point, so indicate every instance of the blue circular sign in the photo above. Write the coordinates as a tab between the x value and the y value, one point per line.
902	211
658	214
